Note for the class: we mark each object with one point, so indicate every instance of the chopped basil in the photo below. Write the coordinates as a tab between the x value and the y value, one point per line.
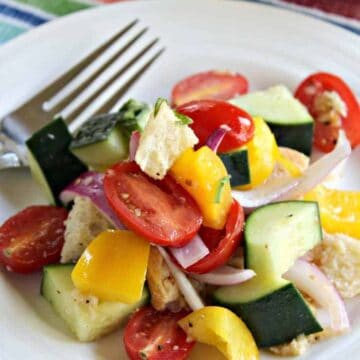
132	116
183	119
158	103
220	188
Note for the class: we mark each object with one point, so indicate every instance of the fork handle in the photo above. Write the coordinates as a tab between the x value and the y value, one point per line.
11	154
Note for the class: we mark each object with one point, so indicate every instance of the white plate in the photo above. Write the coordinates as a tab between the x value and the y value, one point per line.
266	44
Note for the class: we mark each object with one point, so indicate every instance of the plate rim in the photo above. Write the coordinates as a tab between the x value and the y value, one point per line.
27	36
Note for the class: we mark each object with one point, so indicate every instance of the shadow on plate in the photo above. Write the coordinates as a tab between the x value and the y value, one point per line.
17	191
110	347
26	290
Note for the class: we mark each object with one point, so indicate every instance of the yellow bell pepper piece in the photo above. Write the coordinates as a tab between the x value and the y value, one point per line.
203	351
339	210
219	327
289	166
262	153
113	267
204	176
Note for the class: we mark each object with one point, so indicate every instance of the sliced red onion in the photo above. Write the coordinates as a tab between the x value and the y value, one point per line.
225	275
288	189
187	289
308	256
215	139
134	144
309	279
264	194
191	253
90	185
319	170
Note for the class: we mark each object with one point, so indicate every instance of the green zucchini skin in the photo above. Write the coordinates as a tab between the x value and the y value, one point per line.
49	147
103	140
237	165
275	236
298	137
289	120
87	321
133	115
268	320
94	130
100	142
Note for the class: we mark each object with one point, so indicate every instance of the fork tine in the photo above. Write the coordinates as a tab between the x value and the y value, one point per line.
115	103
117	67
118	87
105	55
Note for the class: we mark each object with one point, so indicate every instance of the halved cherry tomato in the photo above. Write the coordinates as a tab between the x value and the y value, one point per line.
219	85
326	134
32	238
160	211
154	335
221	243
209	115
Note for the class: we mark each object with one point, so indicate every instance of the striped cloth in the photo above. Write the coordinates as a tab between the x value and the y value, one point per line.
344	13
18	16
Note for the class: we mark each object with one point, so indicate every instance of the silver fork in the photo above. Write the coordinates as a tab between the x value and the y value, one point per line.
95	85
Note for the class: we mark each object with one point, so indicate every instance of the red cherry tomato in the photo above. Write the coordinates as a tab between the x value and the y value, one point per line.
154	335
326	134
161	211
32	238
219	85
209	115
221	243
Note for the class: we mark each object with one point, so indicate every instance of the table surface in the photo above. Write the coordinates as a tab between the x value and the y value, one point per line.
347	8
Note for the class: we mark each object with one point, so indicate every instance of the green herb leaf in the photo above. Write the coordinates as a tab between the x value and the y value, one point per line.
183	119
220	188
132	116
158	103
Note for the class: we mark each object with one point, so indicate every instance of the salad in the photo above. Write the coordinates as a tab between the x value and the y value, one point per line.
198	220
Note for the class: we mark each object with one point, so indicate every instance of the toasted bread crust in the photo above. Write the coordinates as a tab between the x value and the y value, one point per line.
163	288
